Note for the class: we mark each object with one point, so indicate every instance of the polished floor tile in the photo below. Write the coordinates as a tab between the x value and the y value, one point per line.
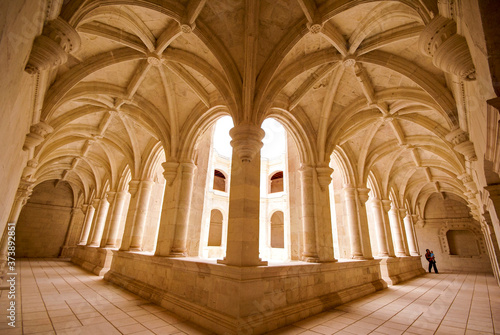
57	297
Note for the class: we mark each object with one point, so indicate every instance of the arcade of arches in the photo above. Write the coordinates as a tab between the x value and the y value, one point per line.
391	146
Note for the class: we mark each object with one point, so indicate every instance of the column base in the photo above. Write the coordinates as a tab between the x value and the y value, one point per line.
395	270
96	260
134	249
244	300
224	261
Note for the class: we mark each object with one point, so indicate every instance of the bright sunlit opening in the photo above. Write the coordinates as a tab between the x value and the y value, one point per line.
274	141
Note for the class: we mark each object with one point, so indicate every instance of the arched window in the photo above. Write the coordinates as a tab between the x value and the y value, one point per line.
462	243
277	230
276	182
215	230
219	181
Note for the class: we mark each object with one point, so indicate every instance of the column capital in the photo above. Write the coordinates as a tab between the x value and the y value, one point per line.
403	212
170	168
246	141
324	176
52	47
449	50
36	135
462	144
363	194
133	187
30	169
386	205
110	196
24	190
96	202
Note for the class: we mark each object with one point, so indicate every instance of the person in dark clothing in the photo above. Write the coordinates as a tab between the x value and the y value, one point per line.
429	255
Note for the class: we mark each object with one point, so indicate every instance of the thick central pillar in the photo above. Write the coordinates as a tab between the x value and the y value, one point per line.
244	197
309	252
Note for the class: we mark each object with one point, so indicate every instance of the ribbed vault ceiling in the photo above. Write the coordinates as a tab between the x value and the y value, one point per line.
343	76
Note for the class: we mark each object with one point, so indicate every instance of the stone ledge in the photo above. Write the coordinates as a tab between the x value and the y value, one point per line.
399	269
233	300
93	259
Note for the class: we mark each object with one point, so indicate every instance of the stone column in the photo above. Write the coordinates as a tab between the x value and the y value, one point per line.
140	194
362	198
100	220
414	220
21	198
141	215
75	211
401	216
412	246
380	228
386	207
115	221
89	217
396	231
323	216
244	197
179	243
85	210
309	252
352	222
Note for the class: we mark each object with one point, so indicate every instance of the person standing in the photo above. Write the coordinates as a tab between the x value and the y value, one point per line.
429	255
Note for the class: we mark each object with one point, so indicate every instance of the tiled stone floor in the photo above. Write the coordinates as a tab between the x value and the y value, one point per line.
57	297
